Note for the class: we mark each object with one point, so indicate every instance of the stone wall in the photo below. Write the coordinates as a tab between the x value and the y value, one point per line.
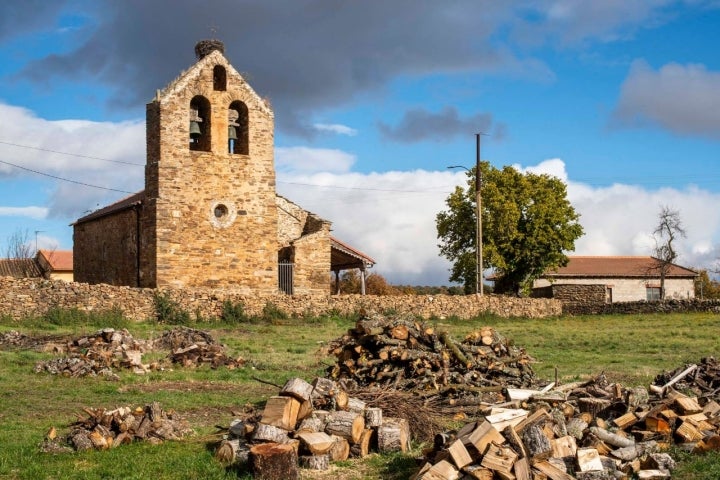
580	298
22	297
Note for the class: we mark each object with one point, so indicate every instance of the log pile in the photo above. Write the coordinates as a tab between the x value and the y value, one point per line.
409	355
102	429
591	431
319	423
97	354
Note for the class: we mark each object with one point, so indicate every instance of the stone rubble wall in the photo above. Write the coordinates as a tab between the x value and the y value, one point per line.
25	297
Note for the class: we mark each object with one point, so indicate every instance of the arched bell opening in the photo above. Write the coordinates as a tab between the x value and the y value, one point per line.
238	140
200	118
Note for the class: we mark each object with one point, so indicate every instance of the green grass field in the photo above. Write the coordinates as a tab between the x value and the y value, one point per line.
631	350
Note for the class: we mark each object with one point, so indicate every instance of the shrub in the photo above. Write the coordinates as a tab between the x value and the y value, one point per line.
233	312
272	312
169	311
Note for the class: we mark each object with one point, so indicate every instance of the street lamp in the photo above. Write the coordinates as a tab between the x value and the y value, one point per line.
478	218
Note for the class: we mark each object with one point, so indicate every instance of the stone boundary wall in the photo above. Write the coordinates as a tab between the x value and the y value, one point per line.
23	297
590	300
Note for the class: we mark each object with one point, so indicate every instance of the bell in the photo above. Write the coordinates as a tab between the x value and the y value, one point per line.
195	129
232	133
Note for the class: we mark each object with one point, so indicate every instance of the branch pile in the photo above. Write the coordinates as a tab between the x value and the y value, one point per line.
103	429
409	355
108	349
311	425
590	431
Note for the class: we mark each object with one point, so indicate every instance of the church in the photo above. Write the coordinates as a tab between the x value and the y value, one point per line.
209	215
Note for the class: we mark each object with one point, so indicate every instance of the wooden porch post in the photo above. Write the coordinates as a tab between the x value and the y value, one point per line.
362	280
337	282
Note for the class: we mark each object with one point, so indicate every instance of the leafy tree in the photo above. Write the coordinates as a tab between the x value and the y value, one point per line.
705	287
528	224
668	229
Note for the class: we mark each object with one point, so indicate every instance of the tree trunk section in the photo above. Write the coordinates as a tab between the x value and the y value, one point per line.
348	425
273	461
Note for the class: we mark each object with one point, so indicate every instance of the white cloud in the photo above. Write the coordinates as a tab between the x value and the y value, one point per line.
102	154
305	159
391	216
682	98
37	213
336	128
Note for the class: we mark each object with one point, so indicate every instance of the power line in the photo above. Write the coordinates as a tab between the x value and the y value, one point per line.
70	154
64	179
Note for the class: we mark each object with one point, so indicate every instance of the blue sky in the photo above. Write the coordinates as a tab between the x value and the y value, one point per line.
373	100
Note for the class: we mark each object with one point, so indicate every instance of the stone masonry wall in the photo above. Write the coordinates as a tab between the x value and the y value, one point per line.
22	297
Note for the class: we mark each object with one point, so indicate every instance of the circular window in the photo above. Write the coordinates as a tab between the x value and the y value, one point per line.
221	211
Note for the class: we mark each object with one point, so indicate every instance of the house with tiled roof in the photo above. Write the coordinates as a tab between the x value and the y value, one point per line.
209	215
625	278
56	264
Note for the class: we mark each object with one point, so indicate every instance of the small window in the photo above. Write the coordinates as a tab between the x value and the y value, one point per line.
199	125
219	78
238	140
653	294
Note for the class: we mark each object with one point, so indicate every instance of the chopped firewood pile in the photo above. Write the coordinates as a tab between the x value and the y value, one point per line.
97	354
590	431
191	348
103	429
409	355
101	352
310	425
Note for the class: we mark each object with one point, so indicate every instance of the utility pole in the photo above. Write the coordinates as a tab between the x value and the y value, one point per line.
478	214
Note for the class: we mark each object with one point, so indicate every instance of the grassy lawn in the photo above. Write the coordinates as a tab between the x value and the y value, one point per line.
628	349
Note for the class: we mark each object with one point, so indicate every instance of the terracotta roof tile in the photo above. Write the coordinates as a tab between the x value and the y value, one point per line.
58	259
19	267
617	266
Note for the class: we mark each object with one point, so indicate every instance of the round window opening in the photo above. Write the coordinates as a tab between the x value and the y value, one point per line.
221	211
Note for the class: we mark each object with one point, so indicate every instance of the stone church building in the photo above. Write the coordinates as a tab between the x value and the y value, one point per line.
209	215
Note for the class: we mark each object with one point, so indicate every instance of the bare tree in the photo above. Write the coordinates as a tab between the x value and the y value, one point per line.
20	251
18	245
669	228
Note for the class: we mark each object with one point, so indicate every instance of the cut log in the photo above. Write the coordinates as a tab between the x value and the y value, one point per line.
317	443
564	447
271	461
538	416
551	471
588	460
610	438
393	435
521	469
484	435
315	462
626	420
270	433
340	450
502	417
311	424
297	388
459	454
227	450
373	417
479	473
281	412
688	405
443	470
356	405
536	443
323	391
499	459
362	447
348	425
513	439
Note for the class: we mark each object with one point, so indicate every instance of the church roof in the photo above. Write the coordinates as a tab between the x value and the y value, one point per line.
122	204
